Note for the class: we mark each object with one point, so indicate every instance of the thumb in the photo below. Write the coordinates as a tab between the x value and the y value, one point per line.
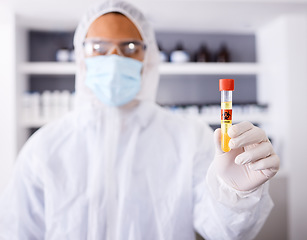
217	141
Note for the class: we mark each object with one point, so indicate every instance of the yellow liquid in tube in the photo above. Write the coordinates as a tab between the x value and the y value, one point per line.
224	137
226	122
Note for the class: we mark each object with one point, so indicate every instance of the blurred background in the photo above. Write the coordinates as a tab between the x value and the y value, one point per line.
261	44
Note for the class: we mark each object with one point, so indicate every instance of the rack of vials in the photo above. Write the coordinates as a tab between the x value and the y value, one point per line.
46	106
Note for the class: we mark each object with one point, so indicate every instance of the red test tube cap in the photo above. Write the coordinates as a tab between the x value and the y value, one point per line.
227	84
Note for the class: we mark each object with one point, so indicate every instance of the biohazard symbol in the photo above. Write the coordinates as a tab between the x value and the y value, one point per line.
226	114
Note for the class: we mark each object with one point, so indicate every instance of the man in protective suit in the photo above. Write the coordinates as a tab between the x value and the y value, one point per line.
121	167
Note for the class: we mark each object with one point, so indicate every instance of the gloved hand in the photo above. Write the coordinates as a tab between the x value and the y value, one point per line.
251	160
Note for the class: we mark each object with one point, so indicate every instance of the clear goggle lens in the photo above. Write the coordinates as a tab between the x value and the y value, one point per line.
127	48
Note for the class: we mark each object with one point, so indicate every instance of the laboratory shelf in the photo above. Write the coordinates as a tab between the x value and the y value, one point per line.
37	123
48	68
209	68
254	118
59	68
213	120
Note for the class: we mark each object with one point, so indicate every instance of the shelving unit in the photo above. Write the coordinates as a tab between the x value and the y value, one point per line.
209	68
259	117
190	68
211	120
48	68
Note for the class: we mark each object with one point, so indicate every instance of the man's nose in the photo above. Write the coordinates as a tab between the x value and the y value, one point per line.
114	50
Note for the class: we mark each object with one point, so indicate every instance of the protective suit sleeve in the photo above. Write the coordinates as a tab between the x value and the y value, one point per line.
22	202
221	212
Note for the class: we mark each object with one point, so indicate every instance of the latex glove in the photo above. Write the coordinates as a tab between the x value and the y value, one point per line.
251	160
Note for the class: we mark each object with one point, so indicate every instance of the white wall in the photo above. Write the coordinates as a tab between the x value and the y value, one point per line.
283	55
296	137
276	226
7	94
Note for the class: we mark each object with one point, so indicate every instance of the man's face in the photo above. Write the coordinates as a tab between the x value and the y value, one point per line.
117	30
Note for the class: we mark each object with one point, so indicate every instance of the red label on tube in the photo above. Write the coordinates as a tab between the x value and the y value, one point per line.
226	114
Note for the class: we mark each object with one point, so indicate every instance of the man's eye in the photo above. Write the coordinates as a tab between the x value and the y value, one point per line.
99	48
130	48
96	47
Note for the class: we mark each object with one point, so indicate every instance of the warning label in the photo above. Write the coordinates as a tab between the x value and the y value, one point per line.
226	114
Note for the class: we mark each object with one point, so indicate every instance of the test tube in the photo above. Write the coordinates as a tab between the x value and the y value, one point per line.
226	87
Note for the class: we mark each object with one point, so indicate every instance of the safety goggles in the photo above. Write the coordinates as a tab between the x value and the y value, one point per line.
128	48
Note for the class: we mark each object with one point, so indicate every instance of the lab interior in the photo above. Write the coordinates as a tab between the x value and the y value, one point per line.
262	45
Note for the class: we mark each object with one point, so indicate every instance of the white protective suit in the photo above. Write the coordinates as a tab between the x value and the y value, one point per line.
133	174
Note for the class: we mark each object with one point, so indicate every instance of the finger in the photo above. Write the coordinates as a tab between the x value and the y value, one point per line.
252	136
259	151
269	173
217	141
237	129
269	163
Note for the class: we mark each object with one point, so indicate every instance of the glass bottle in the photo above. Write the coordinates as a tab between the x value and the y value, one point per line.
223	54
179	55
203	54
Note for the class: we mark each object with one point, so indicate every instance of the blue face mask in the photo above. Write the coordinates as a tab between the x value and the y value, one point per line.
115	80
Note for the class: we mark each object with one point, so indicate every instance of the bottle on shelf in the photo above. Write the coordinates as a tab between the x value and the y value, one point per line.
202	54
46	99
62	54
35	105
72	56
163	55
30	106
179	55
47	105
223	54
